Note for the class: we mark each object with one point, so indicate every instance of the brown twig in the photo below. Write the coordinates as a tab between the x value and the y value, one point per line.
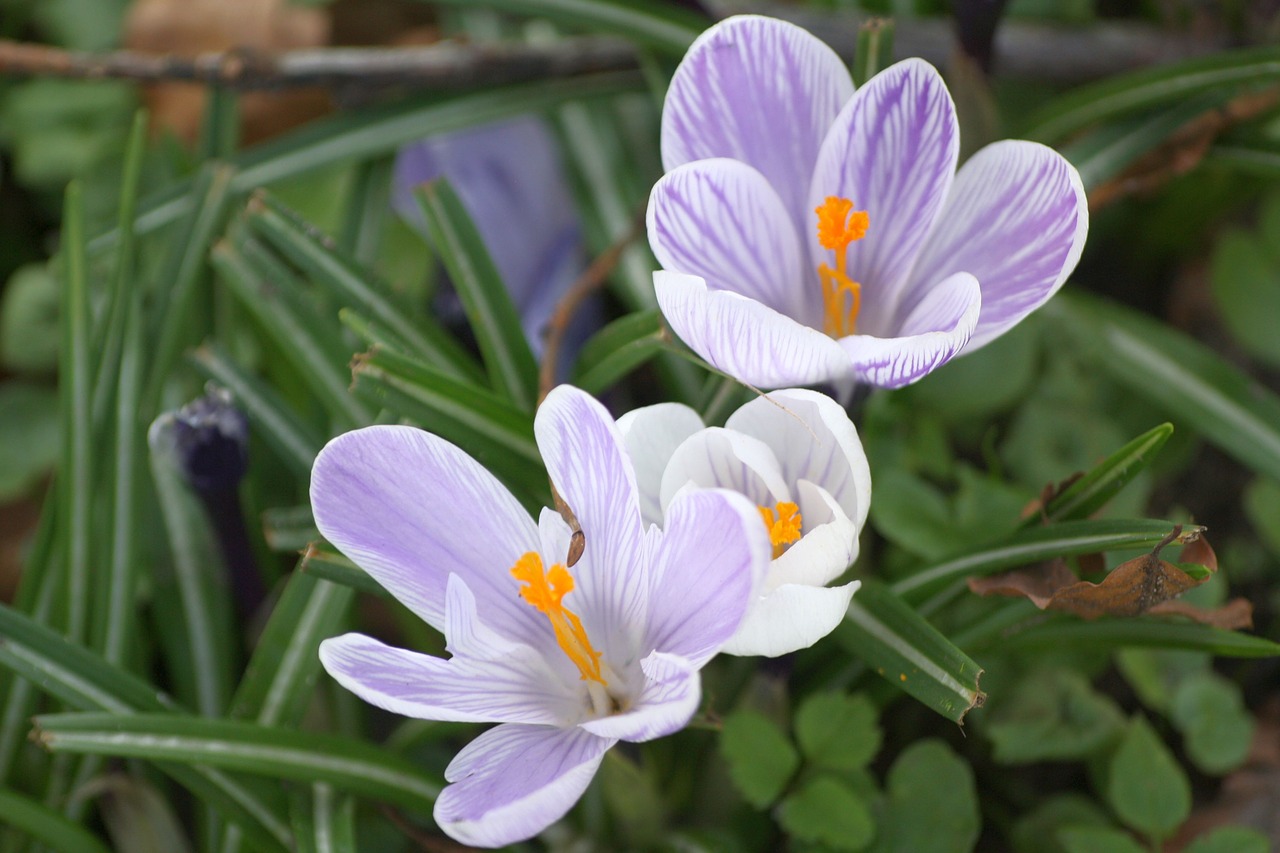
444	65
589	282
424	841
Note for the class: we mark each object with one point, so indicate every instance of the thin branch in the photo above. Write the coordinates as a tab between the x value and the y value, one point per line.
444	65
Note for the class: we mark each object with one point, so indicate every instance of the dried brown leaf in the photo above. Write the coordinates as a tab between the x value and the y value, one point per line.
1235	615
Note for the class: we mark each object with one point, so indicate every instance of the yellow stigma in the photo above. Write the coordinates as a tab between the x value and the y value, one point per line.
544	591
783	526
838	226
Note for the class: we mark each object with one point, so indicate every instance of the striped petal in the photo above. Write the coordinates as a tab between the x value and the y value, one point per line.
1016	220
892	152
745	339
671	692
412	509
758	90
586	460
933	333
514	781
720	219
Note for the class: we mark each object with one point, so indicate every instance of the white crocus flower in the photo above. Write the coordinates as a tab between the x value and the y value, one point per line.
797	457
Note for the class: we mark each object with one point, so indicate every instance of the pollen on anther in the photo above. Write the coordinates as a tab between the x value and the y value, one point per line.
839	224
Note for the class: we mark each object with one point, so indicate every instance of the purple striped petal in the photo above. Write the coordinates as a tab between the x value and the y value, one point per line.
933	333
514	781
791	618
667	701
411	509
586	460
892	152
748	341
1016	220
706	566
814	440
757	90
651	435
720	219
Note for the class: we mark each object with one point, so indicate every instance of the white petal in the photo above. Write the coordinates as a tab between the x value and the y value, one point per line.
791	618
669	698
651	435
720	458
828	547
744	339
813	439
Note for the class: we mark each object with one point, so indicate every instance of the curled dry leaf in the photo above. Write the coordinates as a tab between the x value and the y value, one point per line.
1145	584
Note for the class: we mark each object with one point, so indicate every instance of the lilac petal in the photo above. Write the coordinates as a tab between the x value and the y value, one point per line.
514	781
758	90
744	339
813	439
791	618
587	463
651	435
1016	220
411	509
892	152
720	219
721	458
668	700
935	331
705	568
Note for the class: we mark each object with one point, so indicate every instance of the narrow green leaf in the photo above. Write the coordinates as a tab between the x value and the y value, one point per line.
1091	492
289	528
277	753
296	326
295	441
367	210
662	26
379	131
488	427
46	825
1191	383
83	680
204	611
180	277
1151	88
485	298
1065	539
332	566
1151	632
618	349
907	651
75	377
278	680
356	288
323	820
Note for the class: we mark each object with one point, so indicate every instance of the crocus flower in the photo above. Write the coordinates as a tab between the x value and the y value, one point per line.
509	177
811	233
797	457
569	659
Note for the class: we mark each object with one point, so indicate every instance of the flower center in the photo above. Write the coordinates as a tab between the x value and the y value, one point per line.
783	525
544	592
838	226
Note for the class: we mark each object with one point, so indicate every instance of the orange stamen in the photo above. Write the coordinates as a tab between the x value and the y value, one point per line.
838	226
783	527
544	591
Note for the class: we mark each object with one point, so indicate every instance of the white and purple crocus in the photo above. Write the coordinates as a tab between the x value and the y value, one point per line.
810	233
568	659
